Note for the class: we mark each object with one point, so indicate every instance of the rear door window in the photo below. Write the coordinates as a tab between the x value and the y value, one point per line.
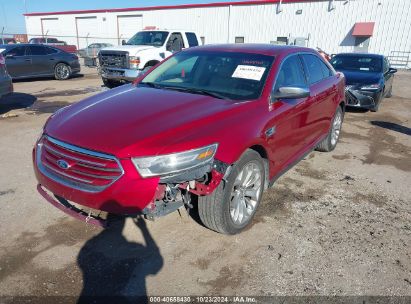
175	43
192	39
327	72
37	50
50	50
314	68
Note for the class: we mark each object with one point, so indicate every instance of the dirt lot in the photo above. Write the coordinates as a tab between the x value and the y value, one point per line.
336	224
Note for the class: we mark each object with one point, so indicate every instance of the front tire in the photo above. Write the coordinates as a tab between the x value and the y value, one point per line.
62	71
110	83
231	207
330	142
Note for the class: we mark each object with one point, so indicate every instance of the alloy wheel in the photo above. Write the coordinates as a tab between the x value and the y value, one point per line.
336	128
245	193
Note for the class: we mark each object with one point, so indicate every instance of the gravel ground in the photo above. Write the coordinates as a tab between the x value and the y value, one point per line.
336	224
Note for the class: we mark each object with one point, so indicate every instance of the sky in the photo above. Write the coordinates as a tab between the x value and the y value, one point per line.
11	11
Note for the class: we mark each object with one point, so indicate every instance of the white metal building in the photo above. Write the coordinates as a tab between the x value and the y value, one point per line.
377	26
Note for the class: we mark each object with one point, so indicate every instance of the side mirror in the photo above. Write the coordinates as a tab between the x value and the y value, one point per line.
290	93
392	71
123	42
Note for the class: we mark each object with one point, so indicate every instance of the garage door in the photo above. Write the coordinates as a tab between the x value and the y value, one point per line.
50	27
87	31
128	26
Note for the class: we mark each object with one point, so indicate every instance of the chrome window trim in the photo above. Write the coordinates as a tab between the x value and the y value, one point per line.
59	178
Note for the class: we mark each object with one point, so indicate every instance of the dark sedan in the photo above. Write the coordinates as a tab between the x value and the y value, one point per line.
31	60
369	78
6	86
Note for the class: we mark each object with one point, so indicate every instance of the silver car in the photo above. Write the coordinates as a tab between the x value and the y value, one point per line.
6	84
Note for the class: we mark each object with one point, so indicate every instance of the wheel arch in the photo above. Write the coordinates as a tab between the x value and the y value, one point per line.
62	61
264	155
151	63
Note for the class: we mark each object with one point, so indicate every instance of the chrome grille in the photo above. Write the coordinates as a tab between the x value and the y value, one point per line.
77	167
111	59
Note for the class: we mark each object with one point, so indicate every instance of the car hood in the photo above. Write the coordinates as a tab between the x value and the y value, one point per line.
128	48
361	78
138	121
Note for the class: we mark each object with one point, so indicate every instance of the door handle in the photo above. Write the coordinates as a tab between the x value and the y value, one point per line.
27	59
52	59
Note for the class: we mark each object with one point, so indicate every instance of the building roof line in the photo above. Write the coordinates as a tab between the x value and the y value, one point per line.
164	7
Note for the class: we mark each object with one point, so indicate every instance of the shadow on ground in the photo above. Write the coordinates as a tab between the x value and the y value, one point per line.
16	101
392	126
115	269
34	79
355	110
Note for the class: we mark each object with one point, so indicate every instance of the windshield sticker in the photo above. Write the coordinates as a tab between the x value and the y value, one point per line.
248	72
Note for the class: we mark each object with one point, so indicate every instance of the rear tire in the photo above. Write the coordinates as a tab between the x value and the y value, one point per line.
231	207
62	71
330	142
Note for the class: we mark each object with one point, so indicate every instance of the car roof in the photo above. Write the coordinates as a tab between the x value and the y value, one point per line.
360	55
257	48
22	44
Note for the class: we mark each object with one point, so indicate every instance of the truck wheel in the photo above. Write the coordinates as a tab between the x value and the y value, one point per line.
330	142
62	71
231	207
110	83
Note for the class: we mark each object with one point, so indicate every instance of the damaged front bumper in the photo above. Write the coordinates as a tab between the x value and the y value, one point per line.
131	195
358	98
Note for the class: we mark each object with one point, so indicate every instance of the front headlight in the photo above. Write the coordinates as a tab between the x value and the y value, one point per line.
134	62
375	86
174	163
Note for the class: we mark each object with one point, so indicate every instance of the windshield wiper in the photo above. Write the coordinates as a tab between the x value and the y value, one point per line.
197	91
152	85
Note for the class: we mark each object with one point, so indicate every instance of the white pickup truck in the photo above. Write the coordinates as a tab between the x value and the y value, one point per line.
145	49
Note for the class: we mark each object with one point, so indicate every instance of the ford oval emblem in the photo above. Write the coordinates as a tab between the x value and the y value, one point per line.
63	164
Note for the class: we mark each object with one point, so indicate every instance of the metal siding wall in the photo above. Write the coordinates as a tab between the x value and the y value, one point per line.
210	22
329	30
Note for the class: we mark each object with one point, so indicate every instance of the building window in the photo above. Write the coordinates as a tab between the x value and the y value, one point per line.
239	39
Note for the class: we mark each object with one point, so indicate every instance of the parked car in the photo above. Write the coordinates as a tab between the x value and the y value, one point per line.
62	45
215	125
8	41
93	49
6	85
36	60
144	50
369	78
47	40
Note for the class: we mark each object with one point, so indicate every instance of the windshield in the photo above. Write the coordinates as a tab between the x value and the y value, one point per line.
226	75
357	63
154	38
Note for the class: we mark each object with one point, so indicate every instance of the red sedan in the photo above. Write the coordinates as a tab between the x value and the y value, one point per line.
212	125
